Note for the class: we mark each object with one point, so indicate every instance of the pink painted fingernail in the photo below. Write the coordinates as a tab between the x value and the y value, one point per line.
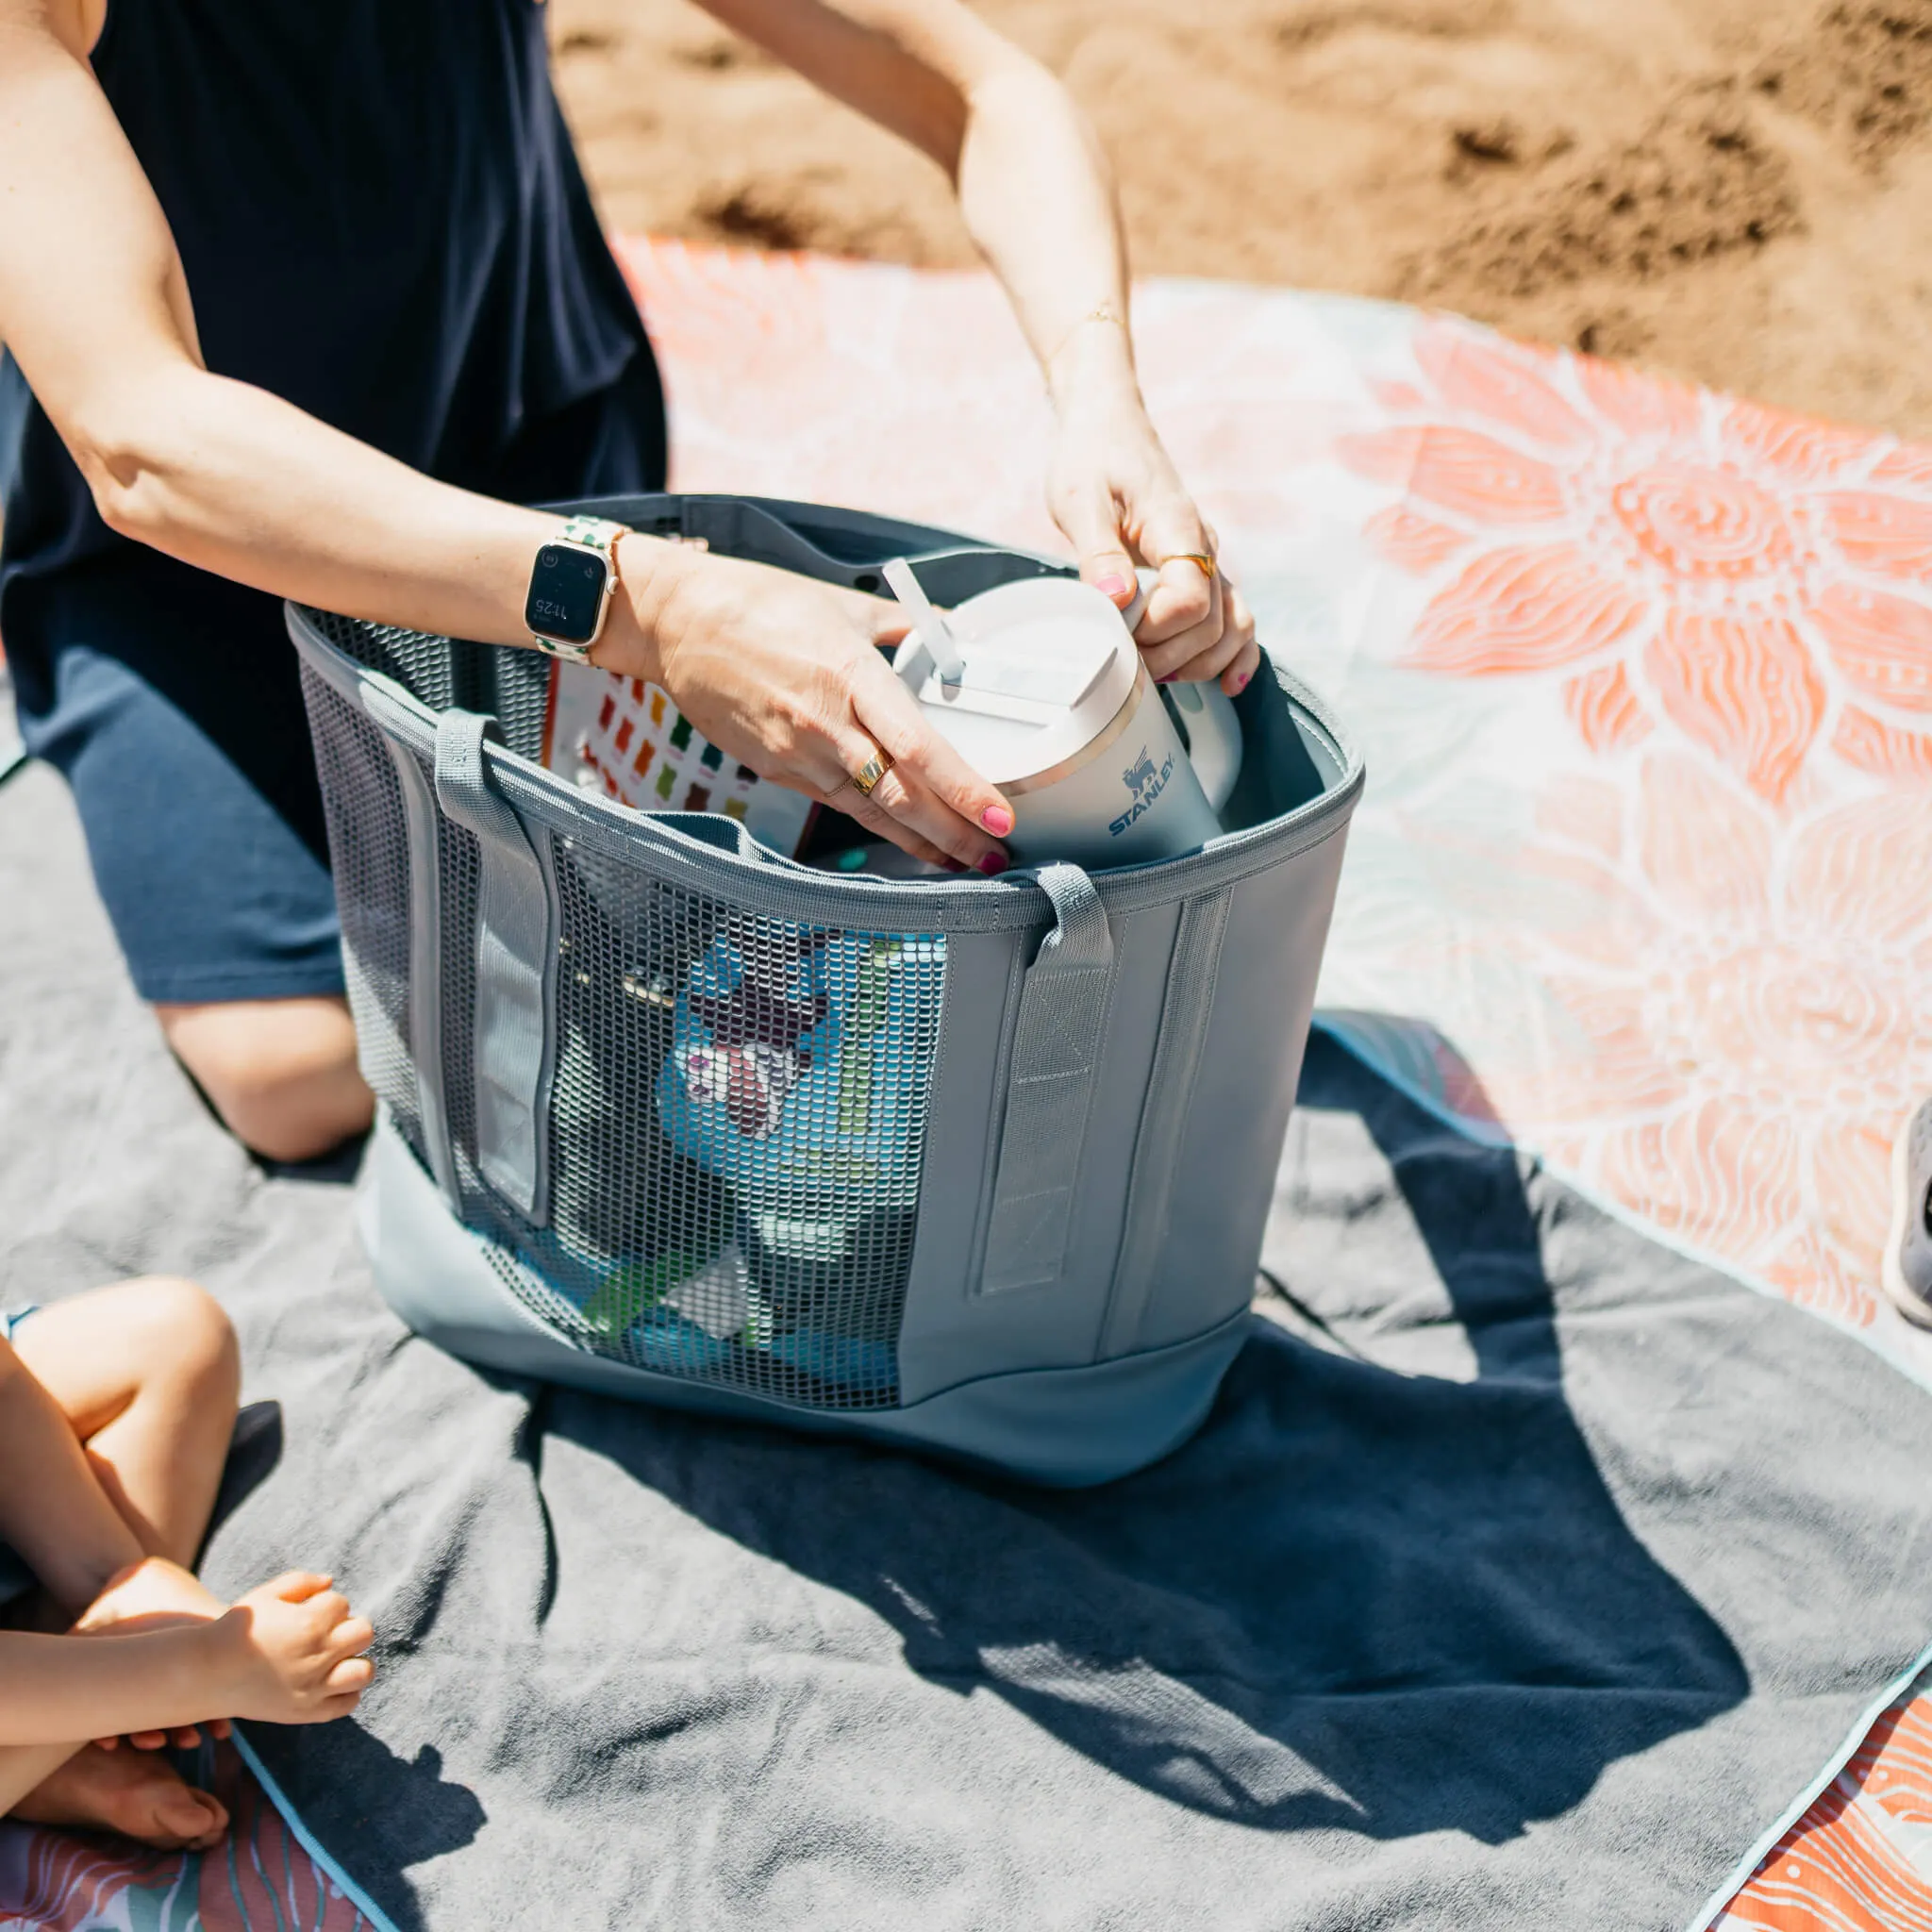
997	819
1169	678
1113	587
993	864
1240	683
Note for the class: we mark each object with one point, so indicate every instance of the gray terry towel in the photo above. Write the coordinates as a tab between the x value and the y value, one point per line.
1524	1574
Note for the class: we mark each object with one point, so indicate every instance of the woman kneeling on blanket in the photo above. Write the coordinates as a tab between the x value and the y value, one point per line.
301	302
115	1413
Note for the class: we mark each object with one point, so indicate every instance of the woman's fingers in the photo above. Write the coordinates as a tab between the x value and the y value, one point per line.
1196	626
874	817
822	768
786	676
905	811
1230	656
929	788
1091	520
1183	614
1184	606
1116	494
1247	660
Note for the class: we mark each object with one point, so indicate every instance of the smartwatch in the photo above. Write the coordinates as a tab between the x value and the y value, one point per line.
571	584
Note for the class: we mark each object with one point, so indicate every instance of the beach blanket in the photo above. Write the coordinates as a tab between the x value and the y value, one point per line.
1478	550
1644	679
1524	1569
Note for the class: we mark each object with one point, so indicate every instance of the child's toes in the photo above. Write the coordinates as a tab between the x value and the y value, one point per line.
163	1810
187	1817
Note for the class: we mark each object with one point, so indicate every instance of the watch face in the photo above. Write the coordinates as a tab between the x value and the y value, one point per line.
566	594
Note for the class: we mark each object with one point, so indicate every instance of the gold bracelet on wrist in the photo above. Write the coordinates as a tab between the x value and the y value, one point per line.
1104	312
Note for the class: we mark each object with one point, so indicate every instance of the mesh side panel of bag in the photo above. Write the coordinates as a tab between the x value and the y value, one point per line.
520	698
736	1129
737	1122
418	662
369	848
513	686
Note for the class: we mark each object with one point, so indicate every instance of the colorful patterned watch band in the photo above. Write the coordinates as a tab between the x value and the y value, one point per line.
594	533
599	533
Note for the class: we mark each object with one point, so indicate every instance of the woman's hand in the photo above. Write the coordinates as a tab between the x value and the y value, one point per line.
1112	488
785	676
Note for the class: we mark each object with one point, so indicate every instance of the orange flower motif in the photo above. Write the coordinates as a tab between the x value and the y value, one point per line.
1880	643
1872	745
1742	687
1745	1023
1729	571
1523	609
1605	710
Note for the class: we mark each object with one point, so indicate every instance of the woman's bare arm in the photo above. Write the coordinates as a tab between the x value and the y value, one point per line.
1033	183
96	308
1037	198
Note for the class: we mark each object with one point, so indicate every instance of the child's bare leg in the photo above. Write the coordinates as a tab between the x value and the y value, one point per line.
120	1427
147	1374
52	1509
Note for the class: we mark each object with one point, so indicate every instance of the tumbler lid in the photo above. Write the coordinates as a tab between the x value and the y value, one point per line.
1047	664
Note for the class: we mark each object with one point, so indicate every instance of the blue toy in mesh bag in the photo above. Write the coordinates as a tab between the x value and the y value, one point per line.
797	1077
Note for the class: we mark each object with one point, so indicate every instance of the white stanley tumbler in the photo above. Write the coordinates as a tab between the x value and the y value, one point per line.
1041	687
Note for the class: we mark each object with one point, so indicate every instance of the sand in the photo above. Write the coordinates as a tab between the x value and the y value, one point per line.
1735	190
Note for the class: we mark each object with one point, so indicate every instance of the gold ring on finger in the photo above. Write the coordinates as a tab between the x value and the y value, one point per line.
875	767
1206	563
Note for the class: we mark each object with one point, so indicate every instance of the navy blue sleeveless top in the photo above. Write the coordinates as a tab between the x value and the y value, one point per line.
381	219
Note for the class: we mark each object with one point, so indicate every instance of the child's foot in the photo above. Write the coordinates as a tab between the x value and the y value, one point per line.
140	1796
152	1595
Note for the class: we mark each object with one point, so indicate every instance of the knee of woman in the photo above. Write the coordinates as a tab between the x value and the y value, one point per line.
281	1074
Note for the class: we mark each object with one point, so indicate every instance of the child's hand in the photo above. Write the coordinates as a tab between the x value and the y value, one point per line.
296	1652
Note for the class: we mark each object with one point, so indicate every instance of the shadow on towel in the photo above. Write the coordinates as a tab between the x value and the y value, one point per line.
1379	1599
438	1814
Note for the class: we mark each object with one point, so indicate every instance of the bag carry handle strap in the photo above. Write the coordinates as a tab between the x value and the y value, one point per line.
837	547
515	945
1063	1005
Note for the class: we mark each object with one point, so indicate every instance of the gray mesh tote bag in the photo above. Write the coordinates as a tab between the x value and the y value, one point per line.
979	1166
